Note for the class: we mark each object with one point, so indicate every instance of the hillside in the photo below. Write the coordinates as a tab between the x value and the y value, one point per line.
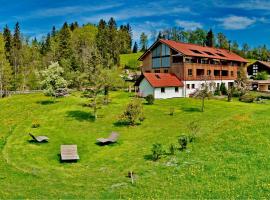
130	61
229	158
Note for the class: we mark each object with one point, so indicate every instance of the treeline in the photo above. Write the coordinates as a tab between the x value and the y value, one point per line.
73	46
208	38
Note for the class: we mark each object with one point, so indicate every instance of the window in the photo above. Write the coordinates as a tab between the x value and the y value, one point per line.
203	61
216	72
177	59
268	87
200	72
161	56
218	85
147	71
157	76
176	89
232	73
209	72
189	72
224	73
188	86
166	71
209	53
195	51
157	71
193	86
162	90
220	54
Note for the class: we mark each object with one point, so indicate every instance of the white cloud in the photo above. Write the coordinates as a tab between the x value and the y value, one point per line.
188	25
139	11
233	22
68	10
247	5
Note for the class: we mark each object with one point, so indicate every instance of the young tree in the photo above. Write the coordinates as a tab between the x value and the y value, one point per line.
262	76
143	42
135	48
133	112
205	92
53	80
210	40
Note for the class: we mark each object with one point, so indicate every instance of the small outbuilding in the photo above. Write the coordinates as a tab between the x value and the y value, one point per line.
160	85
261	85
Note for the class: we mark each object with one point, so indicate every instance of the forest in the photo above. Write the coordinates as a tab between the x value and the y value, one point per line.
82	49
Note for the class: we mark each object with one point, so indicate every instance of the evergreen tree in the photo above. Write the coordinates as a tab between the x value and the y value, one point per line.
143	41
65	48
5	70
17	43
135	48
53	31
113	41
210	40
8	42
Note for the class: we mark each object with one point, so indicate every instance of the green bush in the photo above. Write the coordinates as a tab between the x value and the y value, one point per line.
247	98
35	124
217	92
183	141
172	149
171	111
157	151
261	76
223	89
150	99
193	128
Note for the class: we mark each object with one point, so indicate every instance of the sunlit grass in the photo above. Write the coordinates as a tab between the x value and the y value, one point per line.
229	158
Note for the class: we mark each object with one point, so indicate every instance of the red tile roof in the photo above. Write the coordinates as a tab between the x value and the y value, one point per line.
163	80
202	51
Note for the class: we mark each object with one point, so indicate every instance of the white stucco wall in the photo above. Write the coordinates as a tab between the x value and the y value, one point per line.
169	93
199	83
145	88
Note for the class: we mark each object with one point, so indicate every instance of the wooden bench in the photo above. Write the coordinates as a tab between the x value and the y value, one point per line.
69	153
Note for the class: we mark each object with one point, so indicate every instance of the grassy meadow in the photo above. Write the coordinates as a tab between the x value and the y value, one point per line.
230	157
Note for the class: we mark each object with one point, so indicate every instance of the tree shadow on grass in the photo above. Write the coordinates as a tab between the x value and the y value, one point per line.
124	123
46	102
148	157
81	115
191	109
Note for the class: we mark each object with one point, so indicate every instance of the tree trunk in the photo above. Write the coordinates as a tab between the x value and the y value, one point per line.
202	104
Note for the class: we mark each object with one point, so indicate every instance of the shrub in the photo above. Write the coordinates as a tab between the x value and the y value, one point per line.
157	151
172	149
193	131
183	141
261	76
247	98
171	111
223	89
133	112
150	99
35	124
217	92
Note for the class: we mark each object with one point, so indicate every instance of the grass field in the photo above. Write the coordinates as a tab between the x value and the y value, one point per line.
229	159
130	59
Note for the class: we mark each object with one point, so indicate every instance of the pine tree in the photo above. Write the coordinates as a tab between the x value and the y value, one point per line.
5	70
8	42
53	31
113	41
135	48
210	39
65	50
17	43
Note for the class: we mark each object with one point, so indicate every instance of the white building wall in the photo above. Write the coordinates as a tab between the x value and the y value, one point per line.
199	83
169	93
145	88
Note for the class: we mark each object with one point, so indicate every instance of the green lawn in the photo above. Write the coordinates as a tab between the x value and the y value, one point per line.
229	159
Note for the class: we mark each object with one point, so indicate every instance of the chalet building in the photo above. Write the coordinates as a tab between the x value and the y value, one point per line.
256	67
190	64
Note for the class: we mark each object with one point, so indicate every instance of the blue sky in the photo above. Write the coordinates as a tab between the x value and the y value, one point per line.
244	21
